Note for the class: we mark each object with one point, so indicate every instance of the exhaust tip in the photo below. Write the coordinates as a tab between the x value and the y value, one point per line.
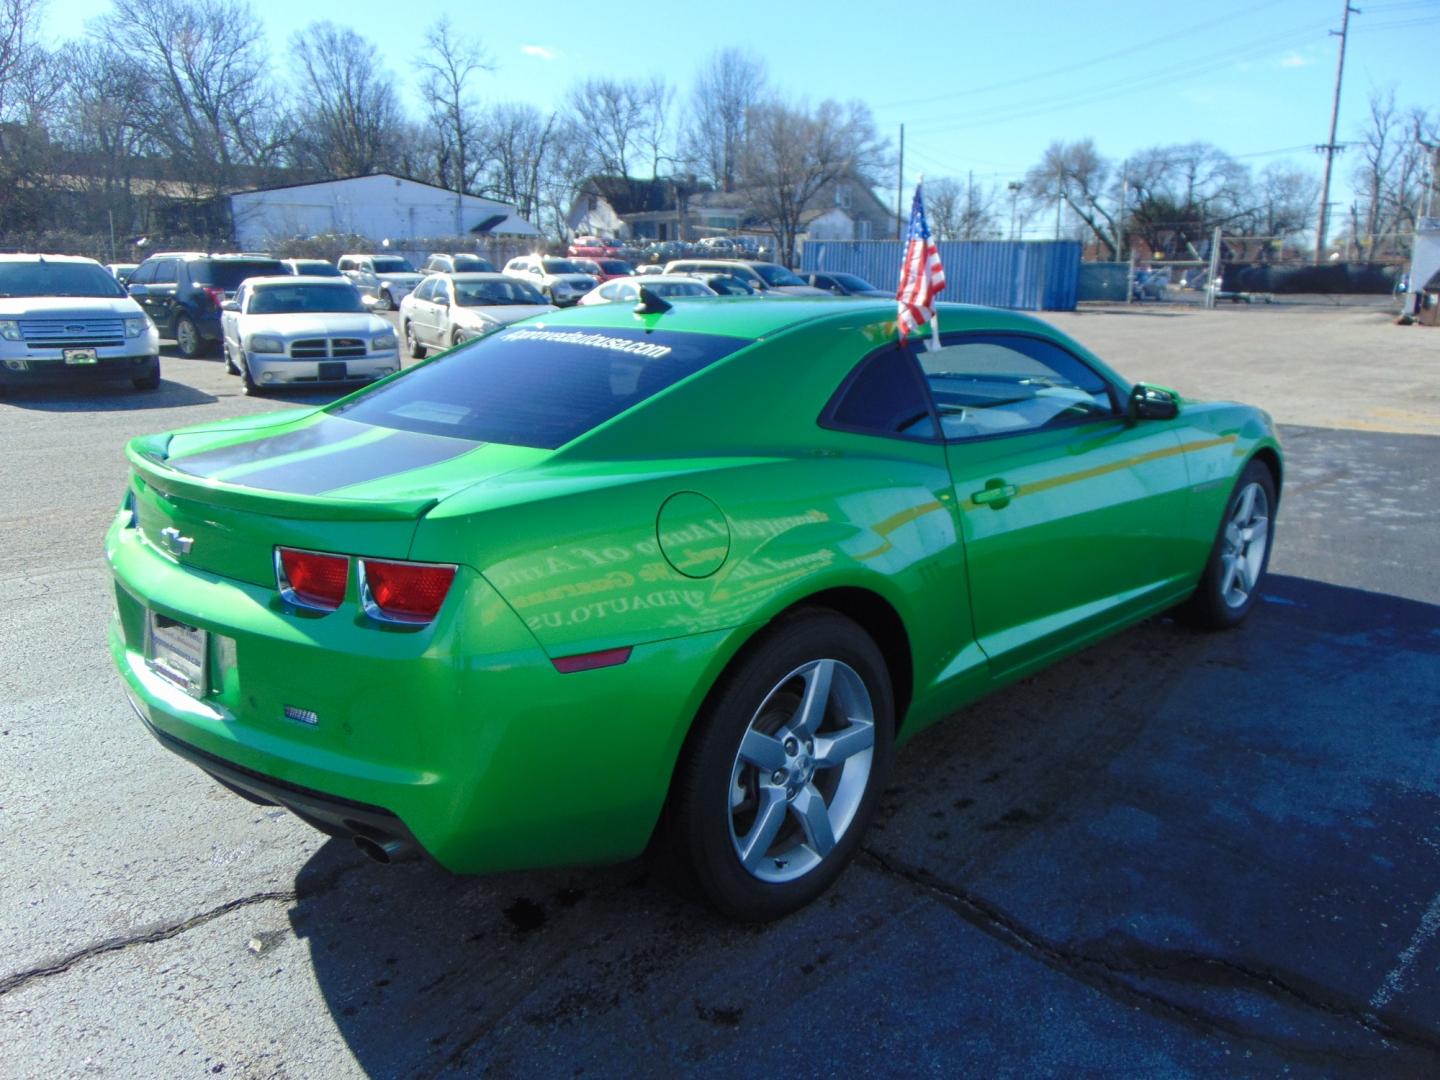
380	851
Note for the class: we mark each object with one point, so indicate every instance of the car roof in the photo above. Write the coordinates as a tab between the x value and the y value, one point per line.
25	257
748	317
296	279
653	279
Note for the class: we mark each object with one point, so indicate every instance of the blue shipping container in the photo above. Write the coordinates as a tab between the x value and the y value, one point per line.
1031	275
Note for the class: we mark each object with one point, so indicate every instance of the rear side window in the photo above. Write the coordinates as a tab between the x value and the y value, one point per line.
165	271
883	396
537	386
229	274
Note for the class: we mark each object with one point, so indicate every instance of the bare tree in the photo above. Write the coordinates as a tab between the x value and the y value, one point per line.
1180	193
731	83
450	64
519	140
348	114
1076	175
1393	173
212	107
19	51
961	211
620	122
793	154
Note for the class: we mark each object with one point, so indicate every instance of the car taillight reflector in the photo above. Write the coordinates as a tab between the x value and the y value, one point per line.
404	591
312	578
588	661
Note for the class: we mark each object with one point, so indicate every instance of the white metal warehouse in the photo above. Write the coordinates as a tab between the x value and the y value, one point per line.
380	207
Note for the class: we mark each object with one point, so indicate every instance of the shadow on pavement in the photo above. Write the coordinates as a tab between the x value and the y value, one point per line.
116	396
1173	851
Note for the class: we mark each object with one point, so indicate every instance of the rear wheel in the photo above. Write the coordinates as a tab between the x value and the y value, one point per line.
1241	554
780	777
187	337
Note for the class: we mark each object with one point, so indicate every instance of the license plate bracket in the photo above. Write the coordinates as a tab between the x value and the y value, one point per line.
176	652
332	370
79	356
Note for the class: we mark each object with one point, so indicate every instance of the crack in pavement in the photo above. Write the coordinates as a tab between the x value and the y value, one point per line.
165	931
1111	972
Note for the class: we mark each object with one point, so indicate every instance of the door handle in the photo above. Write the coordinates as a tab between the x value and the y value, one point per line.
996	494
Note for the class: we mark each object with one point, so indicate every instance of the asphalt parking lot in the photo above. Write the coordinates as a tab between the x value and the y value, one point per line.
1171	855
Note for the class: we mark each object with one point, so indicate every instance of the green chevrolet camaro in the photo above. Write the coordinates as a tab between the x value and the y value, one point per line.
685	575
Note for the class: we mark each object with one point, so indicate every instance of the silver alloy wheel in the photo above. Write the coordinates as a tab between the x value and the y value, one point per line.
1242	551
187	337
801	770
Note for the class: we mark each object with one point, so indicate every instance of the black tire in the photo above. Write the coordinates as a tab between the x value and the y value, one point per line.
698	829
384	301
188	341
1211	606
147	382
230	367
412	344
248	386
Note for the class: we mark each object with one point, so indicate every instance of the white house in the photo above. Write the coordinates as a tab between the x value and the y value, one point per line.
380	207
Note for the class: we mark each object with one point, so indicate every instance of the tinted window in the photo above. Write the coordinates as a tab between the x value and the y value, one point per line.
392	264
679	288
533	386
57	279
775	276
472	262
316	268
230	273
297	299
615	266
165	271
884	396
487	293
561	266
426	289
144	275
1002	384
852	283
729	286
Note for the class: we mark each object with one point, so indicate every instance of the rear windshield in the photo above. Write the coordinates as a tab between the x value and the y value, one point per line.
615	266
392	264
487	293
536	386
302	298
561	266
318	269
776	276
472	262
57	279
229	274
855	284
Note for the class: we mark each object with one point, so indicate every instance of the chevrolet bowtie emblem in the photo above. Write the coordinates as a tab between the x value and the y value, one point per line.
175	543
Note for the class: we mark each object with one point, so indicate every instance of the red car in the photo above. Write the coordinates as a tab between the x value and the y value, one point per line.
593	247
603	269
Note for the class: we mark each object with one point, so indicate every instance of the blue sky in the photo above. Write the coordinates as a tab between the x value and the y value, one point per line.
982	87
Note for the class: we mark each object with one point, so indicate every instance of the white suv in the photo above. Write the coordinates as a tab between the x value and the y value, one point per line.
560	280
66	318
387	279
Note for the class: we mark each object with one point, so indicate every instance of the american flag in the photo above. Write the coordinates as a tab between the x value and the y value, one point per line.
921	275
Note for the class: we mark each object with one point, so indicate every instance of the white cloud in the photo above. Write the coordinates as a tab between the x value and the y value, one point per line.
1294	60
540	52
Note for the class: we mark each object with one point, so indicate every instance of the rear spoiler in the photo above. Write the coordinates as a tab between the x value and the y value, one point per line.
147	459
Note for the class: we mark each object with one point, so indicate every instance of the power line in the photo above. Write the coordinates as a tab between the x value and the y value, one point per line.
1155	77
1247	9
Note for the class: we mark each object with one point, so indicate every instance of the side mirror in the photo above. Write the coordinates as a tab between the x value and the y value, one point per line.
140	291
1153	403
230	305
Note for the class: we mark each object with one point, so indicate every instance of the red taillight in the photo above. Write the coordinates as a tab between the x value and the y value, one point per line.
217	296
403	591
589	661
312	578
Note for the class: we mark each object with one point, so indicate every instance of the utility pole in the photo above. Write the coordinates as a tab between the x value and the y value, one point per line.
1432	189
900	188
1124	201
1014	186
970	205
1331	148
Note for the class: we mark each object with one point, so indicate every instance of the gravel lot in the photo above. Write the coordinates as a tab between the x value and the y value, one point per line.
1170	855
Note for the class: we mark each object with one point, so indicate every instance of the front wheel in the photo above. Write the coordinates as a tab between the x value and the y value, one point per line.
1240	556
412	343
248	386
781	775
384	301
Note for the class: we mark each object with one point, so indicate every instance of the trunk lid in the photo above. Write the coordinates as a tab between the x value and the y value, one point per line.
222	498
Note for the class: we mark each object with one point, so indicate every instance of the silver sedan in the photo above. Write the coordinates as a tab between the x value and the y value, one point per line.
448	309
